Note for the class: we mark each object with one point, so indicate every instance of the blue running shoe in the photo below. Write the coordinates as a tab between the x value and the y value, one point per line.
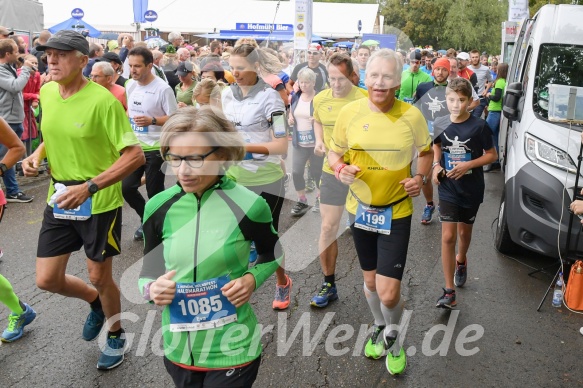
93	325
112	354
16	323
327	294
461	274
252	254
427	214
447	300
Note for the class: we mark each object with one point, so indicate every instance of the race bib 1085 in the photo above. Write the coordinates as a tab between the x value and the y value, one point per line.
201	306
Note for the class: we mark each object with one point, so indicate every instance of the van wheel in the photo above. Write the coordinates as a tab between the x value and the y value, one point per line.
503	242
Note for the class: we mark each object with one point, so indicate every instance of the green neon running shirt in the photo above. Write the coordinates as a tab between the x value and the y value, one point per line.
203	239
83	135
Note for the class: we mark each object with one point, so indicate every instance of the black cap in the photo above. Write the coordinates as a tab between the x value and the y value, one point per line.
66	40
110	57
415	55
184	68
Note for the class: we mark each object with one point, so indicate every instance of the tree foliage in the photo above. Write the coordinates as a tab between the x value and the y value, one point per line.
535	5
462	24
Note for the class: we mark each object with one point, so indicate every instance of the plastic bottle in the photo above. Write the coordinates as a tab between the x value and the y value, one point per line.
558	292
252	254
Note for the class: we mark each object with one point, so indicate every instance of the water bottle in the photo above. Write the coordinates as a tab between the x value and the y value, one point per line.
558	292
252	254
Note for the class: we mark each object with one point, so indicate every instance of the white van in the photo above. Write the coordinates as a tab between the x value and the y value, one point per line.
539	156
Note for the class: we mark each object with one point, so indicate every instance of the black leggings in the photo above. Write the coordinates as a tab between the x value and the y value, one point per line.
301	155
154	182
273	193
242	377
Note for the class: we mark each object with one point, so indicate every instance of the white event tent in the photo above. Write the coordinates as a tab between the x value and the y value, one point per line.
330	20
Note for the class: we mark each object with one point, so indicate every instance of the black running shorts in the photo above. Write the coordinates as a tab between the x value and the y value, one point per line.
332	191
387	254
99	235
450	212
242	377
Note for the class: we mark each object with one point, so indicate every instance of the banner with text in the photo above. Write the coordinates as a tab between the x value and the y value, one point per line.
303	24
518	10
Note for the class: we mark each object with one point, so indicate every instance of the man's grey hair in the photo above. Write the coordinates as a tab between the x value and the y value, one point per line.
174	35
157	54
388	55
181	51
94	48
105	68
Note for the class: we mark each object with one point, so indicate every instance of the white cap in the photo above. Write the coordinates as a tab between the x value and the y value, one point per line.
463	56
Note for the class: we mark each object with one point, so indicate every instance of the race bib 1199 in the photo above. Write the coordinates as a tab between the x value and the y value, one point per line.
374	219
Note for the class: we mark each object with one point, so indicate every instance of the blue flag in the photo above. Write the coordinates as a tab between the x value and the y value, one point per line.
140	8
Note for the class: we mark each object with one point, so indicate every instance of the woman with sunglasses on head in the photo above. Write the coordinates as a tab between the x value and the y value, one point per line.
258	113
197	236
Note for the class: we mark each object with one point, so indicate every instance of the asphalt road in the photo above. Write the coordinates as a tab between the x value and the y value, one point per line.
495	337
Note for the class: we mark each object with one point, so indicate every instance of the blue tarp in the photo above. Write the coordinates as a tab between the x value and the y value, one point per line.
276	36
80	26
140	8
344	44
386	41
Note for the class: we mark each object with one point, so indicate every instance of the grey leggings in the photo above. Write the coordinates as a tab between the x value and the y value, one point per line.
301	155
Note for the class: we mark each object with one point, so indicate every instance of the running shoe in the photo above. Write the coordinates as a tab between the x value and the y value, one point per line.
427	214
461	274
282	295
252	254
375	346
310	185
447	300
93	325
299	209
139	234
327	294
316	208
286	180
395	364
112	354
19	197
16	323
348	225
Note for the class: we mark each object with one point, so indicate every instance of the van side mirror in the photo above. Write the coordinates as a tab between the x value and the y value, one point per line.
511	99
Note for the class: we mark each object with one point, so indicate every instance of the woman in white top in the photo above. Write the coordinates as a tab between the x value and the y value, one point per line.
304	140
251	105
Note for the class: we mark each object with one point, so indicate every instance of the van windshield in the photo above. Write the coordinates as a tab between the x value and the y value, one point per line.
558	64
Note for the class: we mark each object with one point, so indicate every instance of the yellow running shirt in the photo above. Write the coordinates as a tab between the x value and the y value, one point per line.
382	145
326	110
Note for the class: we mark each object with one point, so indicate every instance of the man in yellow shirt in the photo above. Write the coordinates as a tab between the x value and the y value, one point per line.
372	147
327	106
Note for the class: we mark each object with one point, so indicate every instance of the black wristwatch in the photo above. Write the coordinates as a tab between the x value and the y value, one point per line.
92	187
3	169
154	121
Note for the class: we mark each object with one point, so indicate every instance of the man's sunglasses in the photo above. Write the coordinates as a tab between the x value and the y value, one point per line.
313	52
